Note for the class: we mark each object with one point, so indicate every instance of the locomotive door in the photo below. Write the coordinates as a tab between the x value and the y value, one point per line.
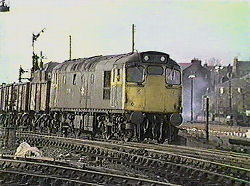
84	91
116	88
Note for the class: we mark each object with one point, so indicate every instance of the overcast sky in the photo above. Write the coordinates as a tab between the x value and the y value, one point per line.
183	29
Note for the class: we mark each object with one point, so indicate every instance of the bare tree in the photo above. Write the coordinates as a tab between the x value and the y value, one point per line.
213	62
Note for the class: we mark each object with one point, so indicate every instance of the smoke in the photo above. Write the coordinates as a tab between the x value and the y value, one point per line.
200	88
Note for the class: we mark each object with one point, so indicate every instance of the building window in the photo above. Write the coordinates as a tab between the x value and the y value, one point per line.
106	84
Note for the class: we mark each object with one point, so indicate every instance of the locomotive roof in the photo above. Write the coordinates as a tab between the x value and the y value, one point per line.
103	62
48	67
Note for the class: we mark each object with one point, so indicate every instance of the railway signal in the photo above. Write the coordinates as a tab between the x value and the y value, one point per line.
35	57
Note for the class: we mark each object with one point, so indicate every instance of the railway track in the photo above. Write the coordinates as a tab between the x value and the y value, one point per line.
165	166
33	171
224	157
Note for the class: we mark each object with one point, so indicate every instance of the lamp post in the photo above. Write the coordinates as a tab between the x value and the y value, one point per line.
192	94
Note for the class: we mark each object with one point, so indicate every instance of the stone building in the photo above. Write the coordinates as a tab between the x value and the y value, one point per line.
240	68
230	92
219	74
232	98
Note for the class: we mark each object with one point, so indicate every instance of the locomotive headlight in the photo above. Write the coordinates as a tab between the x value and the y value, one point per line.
163	58
146	58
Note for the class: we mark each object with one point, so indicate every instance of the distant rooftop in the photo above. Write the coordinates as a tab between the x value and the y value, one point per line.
184	65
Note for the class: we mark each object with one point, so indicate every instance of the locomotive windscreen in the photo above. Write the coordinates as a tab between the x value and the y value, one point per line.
135	74
173	77
155	70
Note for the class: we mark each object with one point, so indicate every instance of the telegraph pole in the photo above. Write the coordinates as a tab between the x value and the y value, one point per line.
133	38
69	47
207	118
192	92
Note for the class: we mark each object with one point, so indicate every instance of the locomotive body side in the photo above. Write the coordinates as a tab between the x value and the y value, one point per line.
84	86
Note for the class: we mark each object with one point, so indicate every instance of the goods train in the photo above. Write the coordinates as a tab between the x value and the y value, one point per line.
133	95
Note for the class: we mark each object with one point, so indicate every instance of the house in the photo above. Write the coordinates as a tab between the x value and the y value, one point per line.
232	98
240	68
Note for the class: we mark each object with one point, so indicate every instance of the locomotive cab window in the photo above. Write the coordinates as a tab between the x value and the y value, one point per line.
135	74
106	84
173	77
155	70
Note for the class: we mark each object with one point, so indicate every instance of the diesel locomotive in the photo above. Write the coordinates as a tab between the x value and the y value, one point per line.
133	95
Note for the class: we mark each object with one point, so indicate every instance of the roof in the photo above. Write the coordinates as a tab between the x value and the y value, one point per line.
95	62
88	64
243	65
184	65
48	67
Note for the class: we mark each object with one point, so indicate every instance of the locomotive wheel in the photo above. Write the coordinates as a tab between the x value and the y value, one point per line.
128	135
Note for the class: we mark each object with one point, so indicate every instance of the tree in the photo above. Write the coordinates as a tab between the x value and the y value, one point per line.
213	62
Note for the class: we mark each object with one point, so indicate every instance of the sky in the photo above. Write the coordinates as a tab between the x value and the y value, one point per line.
184	29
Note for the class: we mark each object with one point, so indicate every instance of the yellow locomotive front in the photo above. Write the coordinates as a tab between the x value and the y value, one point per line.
153	93
153	88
